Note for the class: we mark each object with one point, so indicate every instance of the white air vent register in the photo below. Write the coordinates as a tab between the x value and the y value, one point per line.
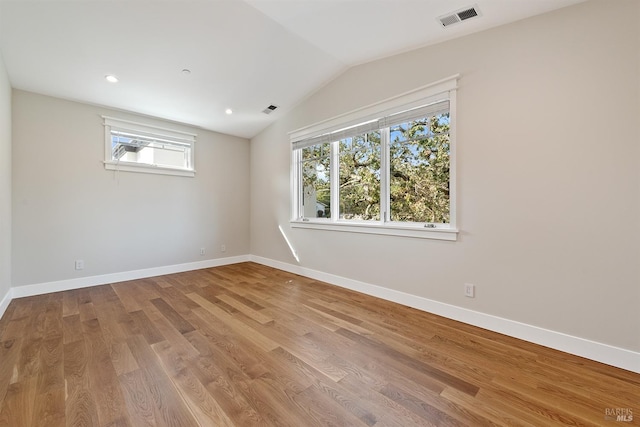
459	16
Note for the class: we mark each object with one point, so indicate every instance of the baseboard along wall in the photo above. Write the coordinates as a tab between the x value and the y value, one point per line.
610	355
6	299
84	282
604	353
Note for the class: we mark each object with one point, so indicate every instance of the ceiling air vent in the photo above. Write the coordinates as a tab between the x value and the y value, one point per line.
270	109
459	16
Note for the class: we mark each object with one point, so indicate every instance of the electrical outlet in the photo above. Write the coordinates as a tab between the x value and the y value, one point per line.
202	251
79	264
223	248
469	290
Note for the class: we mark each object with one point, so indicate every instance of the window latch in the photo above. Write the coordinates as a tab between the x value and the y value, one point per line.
429	226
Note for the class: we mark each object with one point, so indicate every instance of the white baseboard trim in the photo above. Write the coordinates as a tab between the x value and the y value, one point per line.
5	301
614	356
83	282
604	353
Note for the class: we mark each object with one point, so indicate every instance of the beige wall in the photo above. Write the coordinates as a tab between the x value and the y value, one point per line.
66	206
5	182
548	175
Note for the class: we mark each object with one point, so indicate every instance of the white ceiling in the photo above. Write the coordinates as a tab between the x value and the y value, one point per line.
243	54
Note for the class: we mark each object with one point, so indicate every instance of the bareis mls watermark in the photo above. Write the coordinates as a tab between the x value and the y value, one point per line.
618	414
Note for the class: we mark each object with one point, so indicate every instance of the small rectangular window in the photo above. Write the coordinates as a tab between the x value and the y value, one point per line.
137	147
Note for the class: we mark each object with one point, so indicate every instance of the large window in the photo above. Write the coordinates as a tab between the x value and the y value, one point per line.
136	147
386	169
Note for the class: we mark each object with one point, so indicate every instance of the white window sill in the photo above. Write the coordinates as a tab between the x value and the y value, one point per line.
133	167
449	234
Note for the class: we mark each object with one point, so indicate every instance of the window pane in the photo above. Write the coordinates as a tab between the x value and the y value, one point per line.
360	177
127	147
316	181
419	170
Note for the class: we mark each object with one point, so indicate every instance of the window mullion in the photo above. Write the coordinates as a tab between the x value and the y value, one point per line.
335	180
453	144
296	184
385	203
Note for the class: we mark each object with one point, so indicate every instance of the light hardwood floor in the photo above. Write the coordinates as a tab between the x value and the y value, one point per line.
246	345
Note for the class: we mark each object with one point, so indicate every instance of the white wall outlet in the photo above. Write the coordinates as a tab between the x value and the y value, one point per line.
469	290
79	264
223	248
202	251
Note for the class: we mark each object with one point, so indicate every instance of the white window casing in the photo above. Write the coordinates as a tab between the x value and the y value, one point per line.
428	100
174	150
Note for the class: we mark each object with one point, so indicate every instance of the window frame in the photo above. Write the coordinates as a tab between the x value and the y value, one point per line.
179	137
406	101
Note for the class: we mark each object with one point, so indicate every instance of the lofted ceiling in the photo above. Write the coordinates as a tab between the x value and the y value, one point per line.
241	54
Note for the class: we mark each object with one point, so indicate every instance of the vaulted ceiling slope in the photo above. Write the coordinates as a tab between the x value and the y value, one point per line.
242	55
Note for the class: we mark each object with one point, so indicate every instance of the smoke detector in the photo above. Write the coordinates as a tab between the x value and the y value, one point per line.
459	16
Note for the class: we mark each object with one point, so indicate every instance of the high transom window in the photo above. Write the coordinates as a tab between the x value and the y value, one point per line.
136	147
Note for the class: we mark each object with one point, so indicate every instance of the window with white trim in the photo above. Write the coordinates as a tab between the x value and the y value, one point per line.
137	147
385	169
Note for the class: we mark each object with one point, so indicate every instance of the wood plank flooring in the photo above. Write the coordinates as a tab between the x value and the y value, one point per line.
248	345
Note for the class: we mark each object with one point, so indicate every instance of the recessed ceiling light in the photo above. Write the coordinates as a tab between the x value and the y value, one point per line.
228	111
186	71
111	78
